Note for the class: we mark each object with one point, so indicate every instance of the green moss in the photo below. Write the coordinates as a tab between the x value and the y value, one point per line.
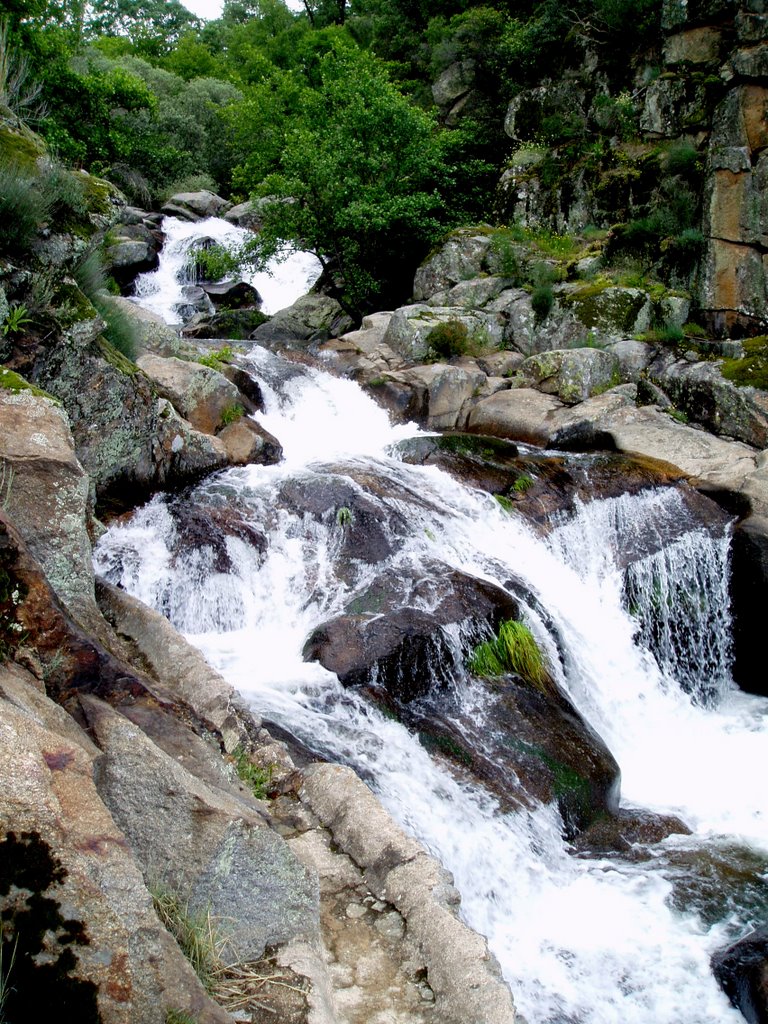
14	383
99	195
601	305
20	148
441	744
71	305
752	369
513	650
116	358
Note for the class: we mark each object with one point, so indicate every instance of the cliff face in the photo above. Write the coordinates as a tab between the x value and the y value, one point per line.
669	152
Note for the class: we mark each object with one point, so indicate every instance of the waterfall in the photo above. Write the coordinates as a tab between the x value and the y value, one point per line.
285	278
580	940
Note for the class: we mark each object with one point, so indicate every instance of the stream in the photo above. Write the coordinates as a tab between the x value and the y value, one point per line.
637	634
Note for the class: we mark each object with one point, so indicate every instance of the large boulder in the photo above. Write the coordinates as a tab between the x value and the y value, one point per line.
700	391
440	393
532	745
461	257
232	294
742	970
44	488
571	374
228	324
202	395
203	840
153	333
196	205
132	250
463	974
67	874
520	414
311	319
247	442
386	637
410	326
535	484
181	454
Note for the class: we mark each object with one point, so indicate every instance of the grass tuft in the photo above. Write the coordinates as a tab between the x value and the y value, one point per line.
120	329
513	650
258	779
195	933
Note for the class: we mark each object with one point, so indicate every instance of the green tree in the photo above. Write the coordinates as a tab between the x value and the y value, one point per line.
355	183
154	26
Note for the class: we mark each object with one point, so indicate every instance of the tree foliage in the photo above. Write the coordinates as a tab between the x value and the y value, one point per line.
355	181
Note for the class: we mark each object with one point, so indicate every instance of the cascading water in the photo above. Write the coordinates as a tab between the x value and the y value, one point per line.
592	940
162	290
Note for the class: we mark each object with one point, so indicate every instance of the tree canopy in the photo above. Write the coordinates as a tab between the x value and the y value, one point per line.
329	110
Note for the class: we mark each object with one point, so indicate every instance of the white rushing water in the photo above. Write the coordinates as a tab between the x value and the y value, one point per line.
581	941
162	290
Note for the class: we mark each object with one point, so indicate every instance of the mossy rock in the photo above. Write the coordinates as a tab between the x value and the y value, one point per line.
608	308
116	358
20	147
71	305
15	383
752	369
102	197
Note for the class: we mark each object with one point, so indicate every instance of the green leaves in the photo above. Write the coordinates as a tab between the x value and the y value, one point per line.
355	174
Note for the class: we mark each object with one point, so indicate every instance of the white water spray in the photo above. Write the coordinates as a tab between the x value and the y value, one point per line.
162	290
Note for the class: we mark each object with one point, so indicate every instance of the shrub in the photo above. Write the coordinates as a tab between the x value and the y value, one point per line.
505	255
448	339
682	158
120	329
64	192
23	209
542	301
131	182
211	263
513	650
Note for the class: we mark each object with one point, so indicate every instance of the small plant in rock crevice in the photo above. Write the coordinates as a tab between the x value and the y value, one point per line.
512	650
15	320
217	359
344	517
120	329
257	779
231	414
523	483
194	931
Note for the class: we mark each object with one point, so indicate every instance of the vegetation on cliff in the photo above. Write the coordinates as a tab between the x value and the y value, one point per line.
349	113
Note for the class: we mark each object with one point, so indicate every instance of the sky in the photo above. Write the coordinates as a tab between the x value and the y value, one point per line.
210	9
204	8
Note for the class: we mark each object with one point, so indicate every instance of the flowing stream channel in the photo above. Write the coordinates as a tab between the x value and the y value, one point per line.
645	652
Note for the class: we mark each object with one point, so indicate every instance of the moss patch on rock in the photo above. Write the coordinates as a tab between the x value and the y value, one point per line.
15	383
752	369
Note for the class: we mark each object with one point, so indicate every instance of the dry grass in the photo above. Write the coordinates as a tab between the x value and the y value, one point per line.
256	987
